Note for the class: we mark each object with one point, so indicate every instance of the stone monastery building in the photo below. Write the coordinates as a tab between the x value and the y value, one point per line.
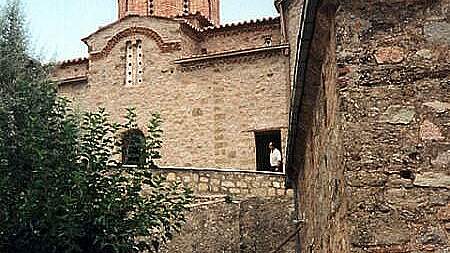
222	90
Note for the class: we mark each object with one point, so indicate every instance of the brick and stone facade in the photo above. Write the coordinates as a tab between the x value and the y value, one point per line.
214	86
209	9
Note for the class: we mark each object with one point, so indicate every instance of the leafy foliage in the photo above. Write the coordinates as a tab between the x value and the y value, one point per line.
60	189
15	61
129	209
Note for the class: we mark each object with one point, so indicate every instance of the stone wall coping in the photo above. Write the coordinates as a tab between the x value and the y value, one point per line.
228	170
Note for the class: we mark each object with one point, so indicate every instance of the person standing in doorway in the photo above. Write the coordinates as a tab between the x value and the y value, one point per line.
275	158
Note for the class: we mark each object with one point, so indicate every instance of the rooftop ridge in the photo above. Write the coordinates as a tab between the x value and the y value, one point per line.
72	61
242	23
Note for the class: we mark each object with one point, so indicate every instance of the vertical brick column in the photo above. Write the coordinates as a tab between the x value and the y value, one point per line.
208	8
135	7
170	8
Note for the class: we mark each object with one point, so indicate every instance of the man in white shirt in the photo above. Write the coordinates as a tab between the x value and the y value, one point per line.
275	158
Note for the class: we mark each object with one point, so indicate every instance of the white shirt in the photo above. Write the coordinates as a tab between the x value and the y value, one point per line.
275	157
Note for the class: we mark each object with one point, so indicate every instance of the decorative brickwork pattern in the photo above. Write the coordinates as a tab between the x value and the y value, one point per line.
132	31
132	7
210	9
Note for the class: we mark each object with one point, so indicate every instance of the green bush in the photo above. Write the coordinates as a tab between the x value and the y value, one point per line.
60	190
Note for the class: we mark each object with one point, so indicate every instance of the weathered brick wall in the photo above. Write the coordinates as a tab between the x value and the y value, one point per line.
228	182
395	88
241	37
208	8
210	108
170	8
135	7
190	45
242	226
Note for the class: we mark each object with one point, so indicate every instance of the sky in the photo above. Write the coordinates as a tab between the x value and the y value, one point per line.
57	26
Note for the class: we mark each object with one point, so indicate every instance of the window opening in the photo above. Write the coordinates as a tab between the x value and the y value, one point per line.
185	6
134	63
133	144
268	41
262	140
129	63
151	9
139	60
210	10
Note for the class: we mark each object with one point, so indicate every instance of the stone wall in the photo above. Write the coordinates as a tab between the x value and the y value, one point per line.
210	228
241	226
71	70
265	223
229	182
242	37
394	68
317	159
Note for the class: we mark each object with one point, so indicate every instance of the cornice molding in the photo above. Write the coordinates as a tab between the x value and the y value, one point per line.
69	62
72	80
236	56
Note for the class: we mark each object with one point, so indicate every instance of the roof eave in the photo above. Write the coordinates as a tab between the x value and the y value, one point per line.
304	41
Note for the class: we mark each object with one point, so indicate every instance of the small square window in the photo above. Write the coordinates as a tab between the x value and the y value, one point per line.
268	41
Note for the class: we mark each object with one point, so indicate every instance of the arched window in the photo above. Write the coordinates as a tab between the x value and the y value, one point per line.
126	5
210	10
186	7
151	8
133	145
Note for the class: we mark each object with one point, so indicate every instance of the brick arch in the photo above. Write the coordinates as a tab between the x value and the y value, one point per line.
163	46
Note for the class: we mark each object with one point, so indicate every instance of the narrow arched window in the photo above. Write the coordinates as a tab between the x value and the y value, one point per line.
186	7
133	146
210	10
151	8
126	5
